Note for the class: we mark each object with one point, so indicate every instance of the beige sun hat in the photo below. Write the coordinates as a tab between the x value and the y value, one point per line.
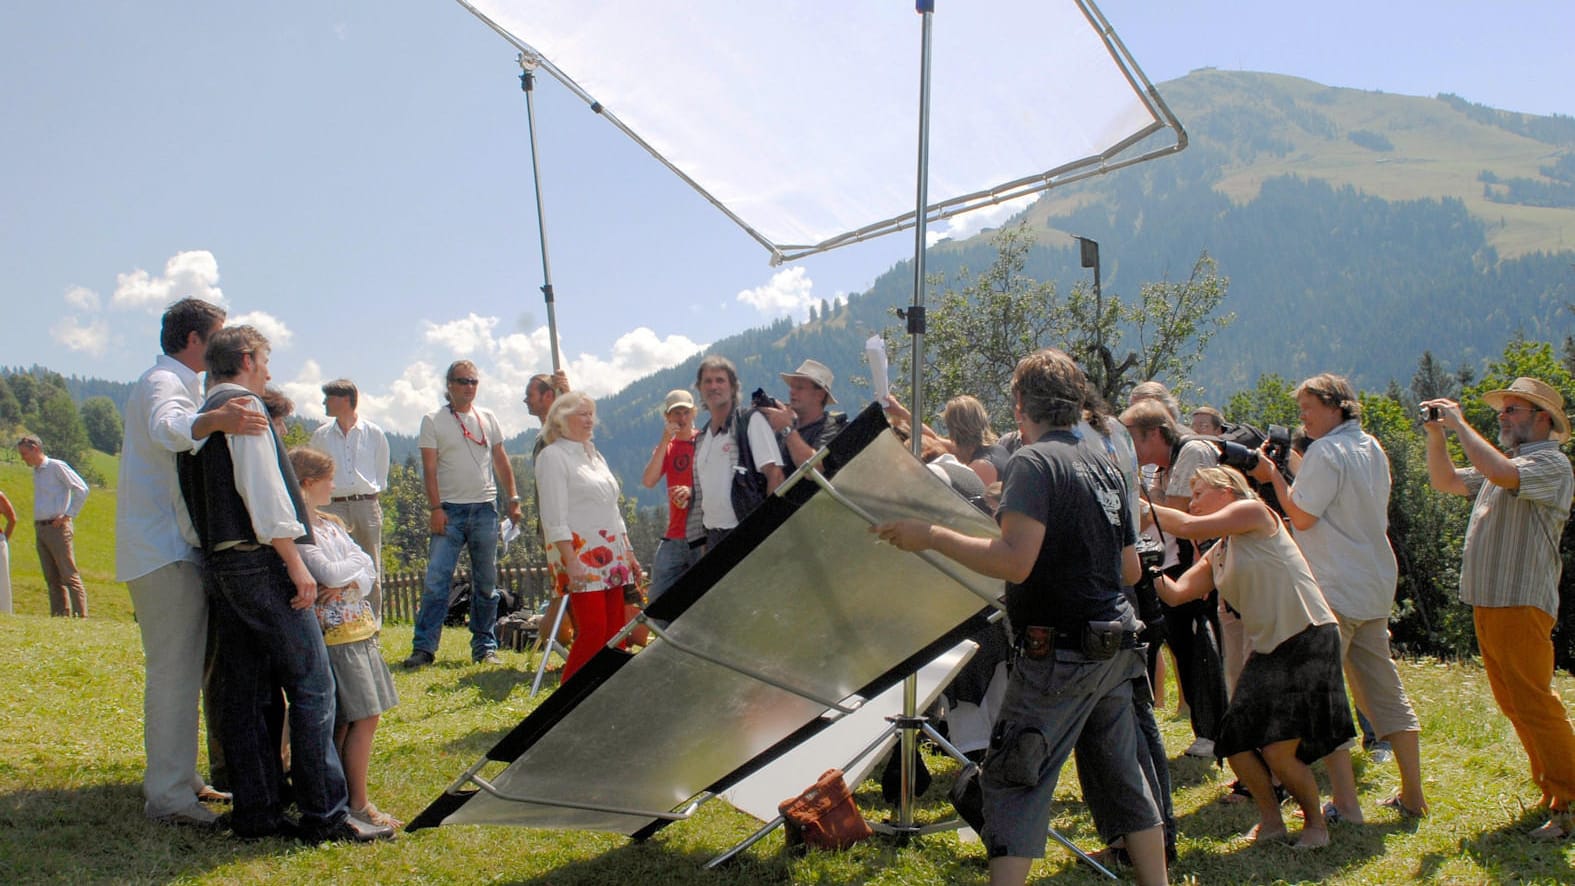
677	399
1541	395
817	372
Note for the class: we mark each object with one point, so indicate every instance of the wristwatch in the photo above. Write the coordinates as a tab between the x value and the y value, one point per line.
514	499
785	433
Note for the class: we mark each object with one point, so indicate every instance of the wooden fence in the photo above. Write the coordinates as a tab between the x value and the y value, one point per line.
402	591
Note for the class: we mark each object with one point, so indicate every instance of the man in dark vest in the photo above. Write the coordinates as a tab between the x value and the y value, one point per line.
247	512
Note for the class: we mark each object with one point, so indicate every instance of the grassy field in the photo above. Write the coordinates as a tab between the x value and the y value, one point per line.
70	771
70	803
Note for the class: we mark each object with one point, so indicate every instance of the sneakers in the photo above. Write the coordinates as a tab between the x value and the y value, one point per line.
418	659
1203	747
491	658
194	816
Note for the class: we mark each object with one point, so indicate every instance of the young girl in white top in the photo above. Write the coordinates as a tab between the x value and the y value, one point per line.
365	688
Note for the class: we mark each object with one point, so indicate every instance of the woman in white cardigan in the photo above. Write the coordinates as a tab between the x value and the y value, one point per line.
588	549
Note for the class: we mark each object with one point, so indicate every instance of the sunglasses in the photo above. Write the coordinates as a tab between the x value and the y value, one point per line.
464	381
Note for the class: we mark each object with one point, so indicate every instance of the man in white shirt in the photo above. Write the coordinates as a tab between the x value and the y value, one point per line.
58	496
359	449
248	514
462	466
716	449
1339	507
161	568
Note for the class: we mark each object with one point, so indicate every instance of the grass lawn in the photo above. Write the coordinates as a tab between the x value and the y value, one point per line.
70	801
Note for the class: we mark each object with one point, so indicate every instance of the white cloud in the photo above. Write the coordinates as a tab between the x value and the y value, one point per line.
505	363
274	329
789	292
193	274
635	354
960	227
469	336
82	299
83	336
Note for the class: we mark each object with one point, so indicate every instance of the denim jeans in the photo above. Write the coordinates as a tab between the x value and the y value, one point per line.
472	526
261	640
673	557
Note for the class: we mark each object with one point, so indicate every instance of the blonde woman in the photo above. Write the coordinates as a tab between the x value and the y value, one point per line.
1290	708
588	549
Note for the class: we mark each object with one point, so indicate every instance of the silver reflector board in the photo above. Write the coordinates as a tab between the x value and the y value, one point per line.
787	625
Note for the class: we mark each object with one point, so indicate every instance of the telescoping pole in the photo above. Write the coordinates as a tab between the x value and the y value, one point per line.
528	85
910	686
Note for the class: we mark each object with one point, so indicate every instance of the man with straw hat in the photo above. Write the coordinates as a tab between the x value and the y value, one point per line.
1509	571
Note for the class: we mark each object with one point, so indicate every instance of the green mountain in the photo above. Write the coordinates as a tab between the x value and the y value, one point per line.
1358	229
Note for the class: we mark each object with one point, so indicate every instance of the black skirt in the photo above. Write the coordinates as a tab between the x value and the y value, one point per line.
1295	692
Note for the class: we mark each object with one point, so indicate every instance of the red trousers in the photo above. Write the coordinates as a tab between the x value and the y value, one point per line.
598	616
1517	651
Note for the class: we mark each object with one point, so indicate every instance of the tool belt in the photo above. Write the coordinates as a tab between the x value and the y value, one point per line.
1098	640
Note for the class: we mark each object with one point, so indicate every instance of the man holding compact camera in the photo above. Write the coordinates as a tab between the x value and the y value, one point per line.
1509	570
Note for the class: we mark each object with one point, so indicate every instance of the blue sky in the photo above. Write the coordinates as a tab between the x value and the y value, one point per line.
354	176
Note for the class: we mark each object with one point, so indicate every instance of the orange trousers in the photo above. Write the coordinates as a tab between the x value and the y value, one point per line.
1517	652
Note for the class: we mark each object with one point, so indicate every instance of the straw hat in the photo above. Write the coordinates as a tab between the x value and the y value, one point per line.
678	399
1541	395
817	372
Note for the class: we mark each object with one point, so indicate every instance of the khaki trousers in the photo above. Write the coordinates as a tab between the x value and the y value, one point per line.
67	596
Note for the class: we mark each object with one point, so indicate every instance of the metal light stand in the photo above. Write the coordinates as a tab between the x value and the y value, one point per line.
528	65
528	85
548	643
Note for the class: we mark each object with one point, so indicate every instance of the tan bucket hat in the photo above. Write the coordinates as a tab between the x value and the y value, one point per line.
817	372
1541	395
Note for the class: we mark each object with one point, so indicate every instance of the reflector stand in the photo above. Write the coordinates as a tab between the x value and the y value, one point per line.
548	643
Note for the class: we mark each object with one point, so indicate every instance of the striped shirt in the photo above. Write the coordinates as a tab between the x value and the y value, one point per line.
1511	555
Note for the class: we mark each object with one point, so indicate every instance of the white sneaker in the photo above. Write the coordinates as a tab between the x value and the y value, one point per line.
1203	747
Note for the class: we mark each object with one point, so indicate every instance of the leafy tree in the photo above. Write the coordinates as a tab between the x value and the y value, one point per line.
102	422
60	427
1270	402
982	325
10	407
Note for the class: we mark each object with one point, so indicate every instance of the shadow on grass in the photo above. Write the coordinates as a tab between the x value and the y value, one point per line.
1508	853
98	833
654	861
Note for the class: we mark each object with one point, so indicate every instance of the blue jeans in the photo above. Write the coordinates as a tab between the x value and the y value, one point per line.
673	557
264	644
472	526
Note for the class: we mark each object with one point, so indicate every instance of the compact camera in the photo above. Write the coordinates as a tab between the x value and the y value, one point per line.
1431	413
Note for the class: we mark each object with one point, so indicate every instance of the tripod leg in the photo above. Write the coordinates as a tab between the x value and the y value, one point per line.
749	841
551	643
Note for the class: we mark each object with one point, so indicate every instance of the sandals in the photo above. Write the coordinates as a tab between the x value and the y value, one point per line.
375	817
1404	810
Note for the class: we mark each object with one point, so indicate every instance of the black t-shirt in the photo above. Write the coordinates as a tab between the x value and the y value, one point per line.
1081	500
